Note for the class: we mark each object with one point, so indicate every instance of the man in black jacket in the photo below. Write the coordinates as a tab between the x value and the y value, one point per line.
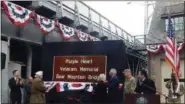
15	85
113	85
144	84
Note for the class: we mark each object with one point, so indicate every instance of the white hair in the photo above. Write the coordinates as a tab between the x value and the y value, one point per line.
39	74
114	71
102	77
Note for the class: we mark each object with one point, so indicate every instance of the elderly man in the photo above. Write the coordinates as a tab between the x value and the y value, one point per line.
113	85
130	82
38	89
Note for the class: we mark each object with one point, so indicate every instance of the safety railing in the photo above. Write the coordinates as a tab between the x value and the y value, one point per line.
96	19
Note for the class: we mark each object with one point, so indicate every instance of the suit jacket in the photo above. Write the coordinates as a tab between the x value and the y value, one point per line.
37	92
113	83
101	92
113	90
101	88
27	92
15	89
147	87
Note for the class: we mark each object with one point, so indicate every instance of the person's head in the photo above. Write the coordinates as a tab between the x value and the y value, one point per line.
127	73
30	79
112	72
102	77
16	73
39	74
142	74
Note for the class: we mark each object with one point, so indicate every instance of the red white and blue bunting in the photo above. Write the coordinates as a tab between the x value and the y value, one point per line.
49	85
45	24
154	48
65	86
17	14
82	36
157	48
21	16
66	31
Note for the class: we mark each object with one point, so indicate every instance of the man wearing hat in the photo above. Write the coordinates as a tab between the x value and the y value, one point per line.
130	82
38	89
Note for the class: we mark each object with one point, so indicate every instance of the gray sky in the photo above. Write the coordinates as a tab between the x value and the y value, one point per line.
129	17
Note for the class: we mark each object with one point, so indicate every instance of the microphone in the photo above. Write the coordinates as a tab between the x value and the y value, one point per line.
148	86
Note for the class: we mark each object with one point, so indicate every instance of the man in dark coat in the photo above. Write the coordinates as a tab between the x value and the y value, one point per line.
113	85
15	84
144	84
27	90
101	90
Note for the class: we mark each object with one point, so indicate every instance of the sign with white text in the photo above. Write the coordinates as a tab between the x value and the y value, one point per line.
78	68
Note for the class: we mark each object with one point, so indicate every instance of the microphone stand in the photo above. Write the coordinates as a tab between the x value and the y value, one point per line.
166	97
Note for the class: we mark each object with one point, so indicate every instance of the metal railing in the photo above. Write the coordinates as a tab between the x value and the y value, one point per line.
96	19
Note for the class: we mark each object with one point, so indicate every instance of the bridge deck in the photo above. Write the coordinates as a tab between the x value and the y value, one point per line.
36	36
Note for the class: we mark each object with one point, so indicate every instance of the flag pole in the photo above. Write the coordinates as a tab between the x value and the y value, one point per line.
169	14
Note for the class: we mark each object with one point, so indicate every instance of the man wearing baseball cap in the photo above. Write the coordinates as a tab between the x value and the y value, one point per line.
38	89
130	82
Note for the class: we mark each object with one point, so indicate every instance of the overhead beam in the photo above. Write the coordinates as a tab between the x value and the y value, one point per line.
173	15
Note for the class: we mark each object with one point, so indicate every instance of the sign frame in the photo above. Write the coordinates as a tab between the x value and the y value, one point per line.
53	74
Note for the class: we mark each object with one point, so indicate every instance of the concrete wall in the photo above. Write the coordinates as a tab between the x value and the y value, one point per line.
157	69
155	66
166	73
4	77
157	31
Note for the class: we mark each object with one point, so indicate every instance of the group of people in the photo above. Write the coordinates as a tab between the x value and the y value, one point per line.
142	84
104	91
34	90
102	95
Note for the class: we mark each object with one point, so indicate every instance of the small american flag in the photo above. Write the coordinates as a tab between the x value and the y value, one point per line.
171	52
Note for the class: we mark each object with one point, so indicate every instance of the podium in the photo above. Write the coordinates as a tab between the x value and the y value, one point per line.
141	99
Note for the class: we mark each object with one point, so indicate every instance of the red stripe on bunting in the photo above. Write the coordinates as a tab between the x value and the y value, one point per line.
41	26
154	51
5	7
62	32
